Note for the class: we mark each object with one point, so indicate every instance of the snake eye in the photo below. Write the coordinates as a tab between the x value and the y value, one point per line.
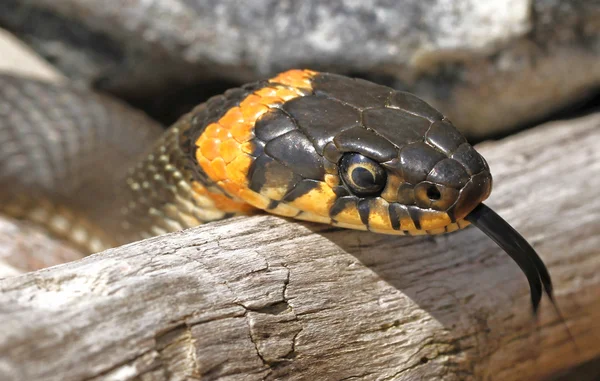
364	177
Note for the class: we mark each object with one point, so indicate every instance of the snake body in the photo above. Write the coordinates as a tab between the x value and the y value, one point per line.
306	145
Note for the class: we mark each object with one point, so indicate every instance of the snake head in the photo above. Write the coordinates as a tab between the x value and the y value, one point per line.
418	172
364	156
412	168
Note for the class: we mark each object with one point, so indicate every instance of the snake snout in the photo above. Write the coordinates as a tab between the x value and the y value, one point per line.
475	191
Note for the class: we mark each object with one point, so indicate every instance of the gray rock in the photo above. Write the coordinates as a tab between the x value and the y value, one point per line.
489	65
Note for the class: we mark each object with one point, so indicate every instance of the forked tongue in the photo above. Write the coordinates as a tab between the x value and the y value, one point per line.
520	251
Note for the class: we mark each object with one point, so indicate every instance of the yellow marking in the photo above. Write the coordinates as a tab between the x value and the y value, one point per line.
248	147
242	132
252	109
379	217
224	151
232	116
229	150
350	226
79	235
284	210
210	200
271	101
417	232
171	211
276	184
390	192
332	180
254	198
230	187
349	216
295	78
274	193
434	220
209	214
200	197
406	223
212	130
318	200
452	227
462	223
287	94
210	148
237	170
266	92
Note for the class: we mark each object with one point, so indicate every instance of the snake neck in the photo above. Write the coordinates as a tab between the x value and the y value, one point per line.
166	191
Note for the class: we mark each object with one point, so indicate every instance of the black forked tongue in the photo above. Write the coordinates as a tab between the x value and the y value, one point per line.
518	248
521	252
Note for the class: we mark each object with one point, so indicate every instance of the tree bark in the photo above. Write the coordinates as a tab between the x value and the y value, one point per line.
268	298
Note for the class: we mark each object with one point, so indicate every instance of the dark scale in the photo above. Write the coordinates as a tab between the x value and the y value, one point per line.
266	171
469	159
444	137
363	211
358	93
302	188
448	172
341	204
417	160
321	119
296	151
359	139
413	105
399	127
273	124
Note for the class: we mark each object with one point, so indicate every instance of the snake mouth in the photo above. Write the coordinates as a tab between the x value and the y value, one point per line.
513	243
477	190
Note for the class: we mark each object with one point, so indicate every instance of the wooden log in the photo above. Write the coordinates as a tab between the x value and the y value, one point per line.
270	298
25	246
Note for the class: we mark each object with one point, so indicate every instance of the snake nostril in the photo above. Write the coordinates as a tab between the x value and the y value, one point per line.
433	193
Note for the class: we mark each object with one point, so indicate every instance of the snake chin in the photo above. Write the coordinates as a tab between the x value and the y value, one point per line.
449	228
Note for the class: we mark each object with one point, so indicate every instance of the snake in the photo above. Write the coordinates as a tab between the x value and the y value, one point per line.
305	145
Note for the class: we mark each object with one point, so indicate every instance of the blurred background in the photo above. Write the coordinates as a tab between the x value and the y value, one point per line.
492	66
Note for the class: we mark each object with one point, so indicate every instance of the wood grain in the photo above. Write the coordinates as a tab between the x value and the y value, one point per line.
268	298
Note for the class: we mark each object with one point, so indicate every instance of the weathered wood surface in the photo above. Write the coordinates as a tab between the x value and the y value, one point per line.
264	297
26	246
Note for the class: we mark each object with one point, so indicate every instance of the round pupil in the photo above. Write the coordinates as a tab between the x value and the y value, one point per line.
363	176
